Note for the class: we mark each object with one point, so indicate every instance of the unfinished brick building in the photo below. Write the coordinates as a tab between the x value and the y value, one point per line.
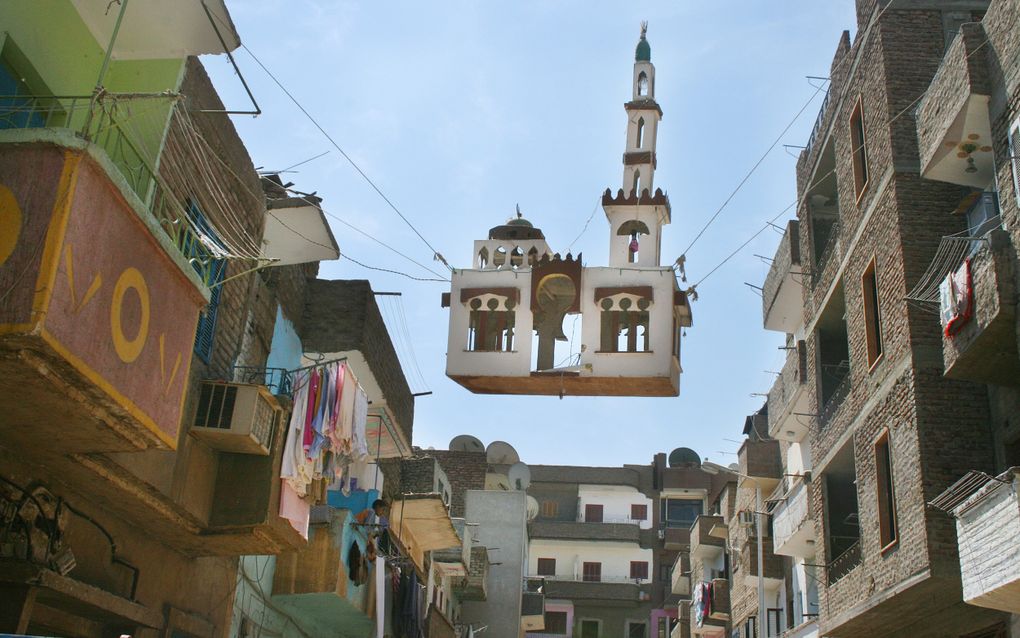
907	182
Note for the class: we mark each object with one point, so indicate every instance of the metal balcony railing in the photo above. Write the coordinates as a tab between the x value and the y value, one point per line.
100	119
817	128
844	563
840	374
823	257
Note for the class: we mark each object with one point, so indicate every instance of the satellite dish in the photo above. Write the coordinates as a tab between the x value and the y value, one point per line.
684	457
734	466
466	443
497	482
532	508
501	453
519	475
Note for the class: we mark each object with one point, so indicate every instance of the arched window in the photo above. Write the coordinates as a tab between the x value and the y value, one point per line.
499	257
637	183
483	257
642	84
516	257
640	141
632	248
533	256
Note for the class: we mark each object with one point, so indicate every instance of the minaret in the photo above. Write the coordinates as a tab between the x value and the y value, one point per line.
636	214
643	115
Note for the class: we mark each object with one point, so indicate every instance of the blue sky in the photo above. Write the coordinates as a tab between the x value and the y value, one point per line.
460	110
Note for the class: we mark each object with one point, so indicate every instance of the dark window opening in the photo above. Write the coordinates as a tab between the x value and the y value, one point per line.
593	513
624	331
490	330
886	496
555	622
858	149
642	84
680	512
636	629
546	566
640	138
872	319
639	512
842	522
833	355
639	569
591	572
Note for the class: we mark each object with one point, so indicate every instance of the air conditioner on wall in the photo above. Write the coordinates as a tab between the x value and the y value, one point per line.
236	417
746	518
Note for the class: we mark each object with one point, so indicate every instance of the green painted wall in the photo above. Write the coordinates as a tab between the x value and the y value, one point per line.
47	42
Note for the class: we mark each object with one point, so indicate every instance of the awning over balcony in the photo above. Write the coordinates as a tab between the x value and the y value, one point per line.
156	29
297	232
421	524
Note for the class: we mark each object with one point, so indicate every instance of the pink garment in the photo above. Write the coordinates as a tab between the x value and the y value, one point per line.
339	378
295	509
313	395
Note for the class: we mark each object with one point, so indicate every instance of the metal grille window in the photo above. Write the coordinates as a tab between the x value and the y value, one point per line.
203	262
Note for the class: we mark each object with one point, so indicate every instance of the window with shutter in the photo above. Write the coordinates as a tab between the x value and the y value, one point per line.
592	572
202	260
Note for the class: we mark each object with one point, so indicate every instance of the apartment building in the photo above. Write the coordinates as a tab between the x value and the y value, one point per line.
161	319
893	290
605	540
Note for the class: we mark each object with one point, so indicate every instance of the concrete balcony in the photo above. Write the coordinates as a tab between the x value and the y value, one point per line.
314	583
676	538
782	301
772	565
987	527
680	580
703	544
985	347
710	608
953	127
97	326
789	400
605	593
565	530
761	465
793	527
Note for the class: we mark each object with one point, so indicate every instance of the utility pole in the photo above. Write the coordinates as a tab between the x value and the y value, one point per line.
759	525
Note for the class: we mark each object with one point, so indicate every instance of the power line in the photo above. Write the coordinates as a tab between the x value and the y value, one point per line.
435	253
753	169
395	272
821	179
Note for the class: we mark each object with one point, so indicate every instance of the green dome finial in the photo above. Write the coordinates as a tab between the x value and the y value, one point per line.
643	53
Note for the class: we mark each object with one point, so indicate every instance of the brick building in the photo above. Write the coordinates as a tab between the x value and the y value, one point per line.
908	211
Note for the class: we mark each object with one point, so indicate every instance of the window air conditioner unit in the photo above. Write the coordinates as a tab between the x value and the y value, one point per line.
746	518
236	417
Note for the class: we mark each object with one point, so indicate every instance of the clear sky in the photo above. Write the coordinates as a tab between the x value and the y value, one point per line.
460	110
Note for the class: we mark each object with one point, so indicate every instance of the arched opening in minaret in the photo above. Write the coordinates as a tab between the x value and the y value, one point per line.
640	141
483	257
516	257
499	257
633	229
533	256
642	84
637	183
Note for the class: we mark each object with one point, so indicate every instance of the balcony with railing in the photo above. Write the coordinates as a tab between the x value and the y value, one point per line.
566	530
710	608
978	308
844	562
793	527
782	294
110	303
987	513
761	464
680	578
772	572
954	130
789	401
703	543
607	589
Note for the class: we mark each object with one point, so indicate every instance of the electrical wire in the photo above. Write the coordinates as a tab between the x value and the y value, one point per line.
753	169
818	181
394	272
435	253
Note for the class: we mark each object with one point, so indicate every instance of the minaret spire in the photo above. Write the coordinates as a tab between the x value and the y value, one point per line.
643	115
